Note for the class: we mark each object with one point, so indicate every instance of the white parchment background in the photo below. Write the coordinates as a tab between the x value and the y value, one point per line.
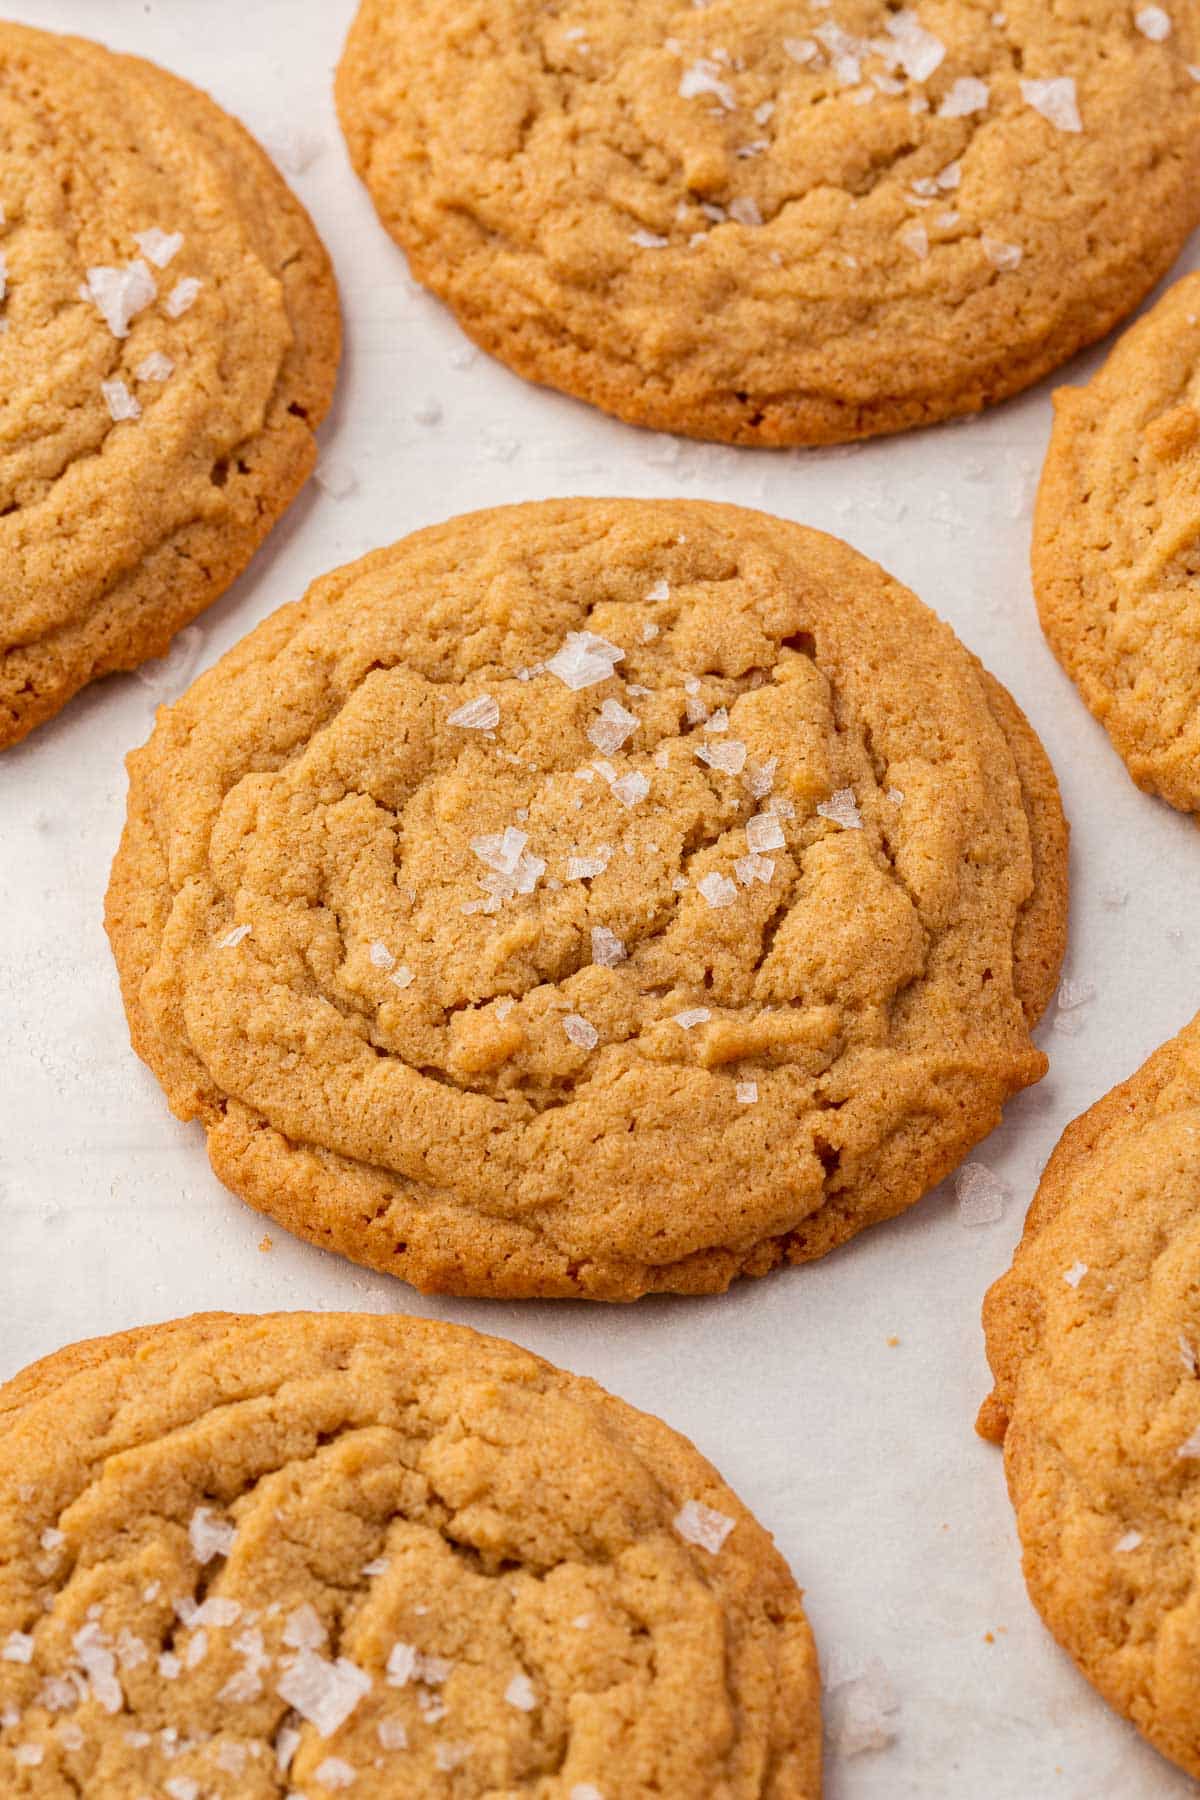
860	1457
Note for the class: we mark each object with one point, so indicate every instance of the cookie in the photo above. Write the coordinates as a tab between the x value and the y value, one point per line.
169	338
778	222
1094	1341
591	897
249	1557
1116	547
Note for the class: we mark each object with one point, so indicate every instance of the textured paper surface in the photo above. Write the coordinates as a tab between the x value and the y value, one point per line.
858	1455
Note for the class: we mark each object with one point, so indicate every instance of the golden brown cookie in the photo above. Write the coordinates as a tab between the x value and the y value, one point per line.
777	221
1094	1341
591	897
169	339
1116	547
244	1558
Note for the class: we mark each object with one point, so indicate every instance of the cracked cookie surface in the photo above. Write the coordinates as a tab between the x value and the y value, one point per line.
1094	1341
591	897
780	221
249	1557
170	341
1116	550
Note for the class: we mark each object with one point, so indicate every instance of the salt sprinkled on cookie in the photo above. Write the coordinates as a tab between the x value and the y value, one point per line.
159	247
842	808
1153	23
1130	1541
864	1713
1000	255
209	1535
1056	100
580	1031
746	1092
334	1772
335	477
520	1693
692	1015
1187	1354
119	295
1191	1445
764	832
155	367
325	1693
607	948
480	714
703	1525
704	77
182	297
967	95
613	726
584	659
120	402
1075	1274
729	757
718	890
233	938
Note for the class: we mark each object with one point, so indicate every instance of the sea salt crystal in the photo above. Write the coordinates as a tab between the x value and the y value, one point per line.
1187	1355
287	1742
217	1610
744	209
1129	1542
914	237
120	402
402	977
764	832
1001	255
747	1092
28	1756
100	1666
584	659
119	295
335	477
303	1629
182	297
965	96
950	177
18	1647
631	789
703	1525
759	778
801	50
335	1773
981	1195
729	757
480	714
583	868
1153	23
158	246
717	889
197	1650
294	147
325	1693
648	240
719	721
1075	1274
182	1787
580	1031
704	77
520	1693
649	632
752	868
920	53
607	948
245	1684
406	1663
611	728
842	808
169	1666
392	1734
155	367
864	1714
505	854
1074	993
208	1535
1056	100
1190	1446
70	1735
381	956
233	938
692	1015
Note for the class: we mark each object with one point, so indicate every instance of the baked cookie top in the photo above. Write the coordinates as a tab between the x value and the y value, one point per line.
1094	1341
1116	549
303	1554
169	338
780	221
590	897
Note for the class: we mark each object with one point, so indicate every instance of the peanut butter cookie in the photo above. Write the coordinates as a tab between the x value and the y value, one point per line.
591	897
244	1558
169	339
780	221
1116	547
1094	1341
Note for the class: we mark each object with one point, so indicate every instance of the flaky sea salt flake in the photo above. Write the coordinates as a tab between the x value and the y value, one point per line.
609	730
746	1092
1190	1446
17	1648
981	1194
864	1712
303	1628
1002	256
325	1693
919	52
119	295
729	757
967	95
631	789
480	714
1153	23
334	1772
764	832
914	237
1056	100
580	1031
158	247
155	367
704	77
520	1693
183	297
584	659
842	808
607	948
703	1525
120	402
1130	1541
749	869
717	890
209	1535
392	1734
692	1015
1075	1274
648	240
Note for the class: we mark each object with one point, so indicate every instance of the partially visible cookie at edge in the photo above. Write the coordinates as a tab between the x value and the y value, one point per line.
246	1557
1094	1342
1116	548
780	221
170	339
591	897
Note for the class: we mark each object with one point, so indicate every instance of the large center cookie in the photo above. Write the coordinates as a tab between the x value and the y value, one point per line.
780	221
1094	1340
591	897
1116	548
169	338
244	1559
